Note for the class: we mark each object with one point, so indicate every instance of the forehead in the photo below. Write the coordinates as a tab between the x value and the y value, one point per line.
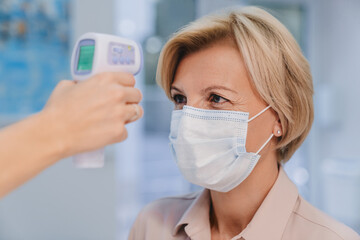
221	64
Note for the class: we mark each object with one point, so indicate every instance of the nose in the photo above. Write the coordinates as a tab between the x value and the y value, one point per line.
196	102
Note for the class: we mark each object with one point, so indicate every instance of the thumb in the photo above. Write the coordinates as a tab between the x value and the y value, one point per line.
65	84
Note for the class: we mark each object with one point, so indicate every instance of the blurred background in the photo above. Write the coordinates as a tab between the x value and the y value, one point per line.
36	39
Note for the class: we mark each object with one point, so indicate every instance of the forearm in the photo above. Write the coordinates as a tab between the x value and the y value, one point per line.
78	117
26	148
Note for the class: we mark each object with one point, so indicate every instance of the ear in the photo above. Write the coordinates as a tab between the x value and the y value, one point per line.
277	129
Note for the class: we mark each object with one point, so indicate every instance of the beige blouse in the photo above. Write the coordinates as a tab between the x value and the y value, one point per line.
282	215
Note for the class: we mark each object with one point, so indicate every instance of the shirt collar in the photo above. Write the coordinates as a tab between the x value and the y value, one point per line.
196	217
268	222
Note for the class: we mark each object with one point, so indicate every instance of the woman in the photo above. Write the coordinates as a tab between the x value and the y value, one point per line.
243	105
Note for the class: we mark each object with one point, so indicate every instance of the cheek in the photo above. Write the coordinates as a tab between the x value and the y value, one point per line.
253	138
259	130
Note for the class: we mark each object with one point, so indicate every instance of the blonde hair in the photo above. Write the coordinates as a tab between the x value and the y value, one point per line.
276	66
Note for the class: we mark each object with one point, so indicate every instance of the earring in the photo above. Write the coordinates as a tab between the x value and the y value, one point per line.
278	132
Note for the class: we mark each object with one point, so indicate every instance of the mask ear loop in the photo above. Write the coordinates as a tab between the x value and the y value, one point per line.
258	114
267	141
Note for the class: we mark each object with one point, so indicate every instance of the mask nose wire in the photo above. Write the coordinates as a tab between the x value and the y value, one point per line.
258	114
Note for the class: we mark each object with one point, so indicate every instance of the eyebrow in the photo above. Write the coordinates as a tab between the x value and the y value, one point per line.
208	89
217	87
175	88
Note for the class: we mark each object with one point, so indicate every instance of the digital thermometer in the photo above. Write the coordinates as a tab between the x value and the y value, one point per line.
95	53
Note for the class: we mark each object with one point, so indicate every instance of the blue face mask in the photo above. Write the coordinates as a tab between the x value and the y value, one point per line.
209	147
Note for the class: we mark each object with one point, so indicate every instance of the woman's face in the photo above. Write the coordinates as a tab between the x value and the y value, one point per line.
216	78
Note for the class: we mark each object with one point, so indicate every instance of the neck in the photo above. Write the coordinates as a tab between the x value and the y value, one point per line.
232	211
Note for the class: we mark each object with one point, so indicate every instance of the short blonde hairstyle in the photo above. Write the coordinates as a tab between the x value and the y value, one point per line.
277	68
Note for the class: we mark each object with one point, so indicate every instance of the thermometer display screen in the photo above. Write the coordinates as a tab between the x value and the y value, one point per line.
86	57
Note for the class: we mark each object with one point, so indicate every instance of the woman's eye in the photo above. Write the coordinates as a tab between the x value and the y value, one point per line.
217	99
179	99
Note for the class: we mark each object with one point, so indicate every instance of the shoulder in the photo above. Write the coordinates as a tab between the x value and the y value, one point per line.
161	216
320	225
173	207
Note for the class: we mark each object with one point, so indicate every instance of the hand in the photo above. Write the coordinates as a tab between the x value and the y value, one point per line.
91	114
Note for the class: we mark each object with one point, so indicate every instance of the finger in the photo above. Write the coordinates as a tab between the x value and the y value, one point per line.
132	112
123	135
131	95
122	78
139	112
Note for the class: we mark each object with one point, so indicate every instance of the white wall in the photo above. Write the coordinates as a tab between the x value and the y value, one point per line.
62	203
93	16
334	56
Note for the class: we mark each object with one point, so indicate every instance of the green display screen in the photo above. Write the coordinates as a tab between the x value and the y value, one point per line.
86	56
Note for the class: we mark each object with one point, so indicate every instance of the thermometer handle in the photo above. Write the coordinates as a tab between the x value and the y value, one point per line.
95	53
93	159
